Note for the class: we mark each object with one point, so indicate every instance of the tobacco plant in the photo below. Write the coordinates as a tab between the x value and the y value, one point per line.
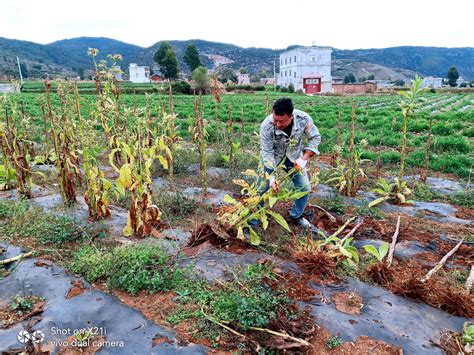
199	134
233	147
7	175
14	145
107	108
63	134
398	192
170	137
424	172
217	100
107	105
237	214
349	176
97	186
135	176
379	253
334	246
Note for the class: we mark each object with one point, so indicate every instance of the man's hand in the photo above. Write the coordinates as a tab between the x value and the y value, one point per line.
300	164
273	184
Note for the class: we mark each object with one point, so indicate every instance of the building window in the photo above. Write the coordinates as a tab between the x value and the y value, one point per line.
289	73
313	59
281	61
295	58
285	73
285	60
290	60
294	74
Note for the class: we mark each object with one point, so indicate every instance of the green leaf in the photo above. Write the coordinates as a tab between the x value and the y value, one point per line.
229	199
279	219
298	194
107	184
383	250
264	221
249	172
120	188
254	238
401	197
125	175
163	162
372	250
377	201
272	200
345	252
355	255
127	231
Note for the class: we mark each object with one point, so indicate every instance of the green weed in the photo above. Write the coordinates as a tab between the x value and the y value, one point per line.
334	342
131	268
48	228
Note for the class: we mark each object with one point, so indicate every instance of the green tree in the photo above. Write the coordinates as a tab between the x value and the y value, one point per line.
371	77
80	72
349	78
191	57
243	70
399	82
201	78
453	75
226	74
167	61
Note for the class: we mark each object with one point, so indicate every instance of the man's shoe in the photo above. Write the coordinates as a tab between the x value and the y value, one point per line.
307	225
302	222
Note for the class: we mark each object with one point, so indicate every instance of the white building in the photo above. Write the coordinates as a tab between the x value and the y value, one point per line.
307	68
139	74
243	79
430	82
460	81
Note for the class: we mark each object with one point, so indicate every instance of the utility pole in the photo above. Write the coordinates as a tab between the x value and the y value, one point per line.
274	75
19	69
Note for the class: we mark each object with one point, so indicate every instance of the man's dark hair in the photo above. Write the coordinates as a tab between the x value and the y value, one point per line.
283	106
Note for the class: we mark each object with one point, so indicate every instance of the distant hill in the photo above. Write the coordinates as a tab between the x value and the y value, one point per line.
433	61
66	56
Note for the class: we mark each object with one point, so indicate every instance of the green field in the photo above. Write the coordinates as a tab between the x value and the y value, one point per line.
453	121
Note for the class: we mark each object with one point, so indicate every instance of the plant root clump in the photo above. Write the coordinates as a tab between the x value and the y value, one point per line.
218	237
318	264
405	279
295	286
380	273
301	326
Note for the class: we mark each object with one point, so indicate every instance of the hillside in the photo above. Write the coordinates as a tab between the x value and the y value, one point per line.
66	56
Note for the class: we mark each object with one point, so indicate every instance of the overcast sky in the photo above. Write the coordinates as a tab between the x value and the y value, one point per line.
344	24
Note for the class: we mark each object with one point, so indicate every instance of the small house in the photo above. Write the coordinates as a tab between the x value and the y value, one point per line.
243	79
139	74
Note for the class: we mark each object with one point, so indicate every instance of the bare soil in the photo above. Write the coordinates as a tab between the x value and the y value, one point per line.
9	317
362	346
77	289
348	302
